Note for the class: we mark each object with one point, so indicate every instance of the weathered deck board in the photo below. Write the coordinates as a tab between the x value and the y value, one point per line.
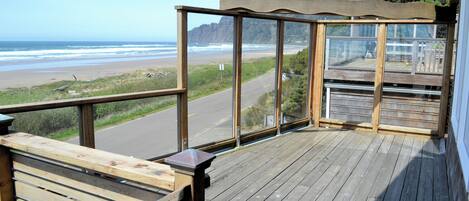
304	164
425	189
328	164
409	192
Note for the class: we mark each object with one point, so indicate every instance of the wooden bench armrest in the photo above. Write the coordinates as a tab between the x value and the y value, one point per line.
132	169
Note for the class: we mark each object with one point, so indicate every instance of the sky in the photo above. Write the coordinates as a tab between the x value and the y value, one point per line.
95	20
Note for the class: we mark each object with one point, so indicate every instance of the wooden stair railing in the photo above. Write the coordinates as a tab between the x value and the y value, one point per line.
37	168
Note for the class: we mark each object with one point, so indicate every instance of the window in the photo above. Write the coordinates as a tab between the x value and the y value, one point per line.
210	63
349	72
258	75
295	72
413	75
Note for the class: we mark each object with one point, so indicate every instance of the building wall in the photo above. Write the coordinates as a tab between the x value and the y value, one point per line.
458	142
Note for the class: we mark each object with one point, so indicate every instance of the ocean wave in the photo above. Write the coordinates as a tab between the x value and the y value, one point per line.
112	50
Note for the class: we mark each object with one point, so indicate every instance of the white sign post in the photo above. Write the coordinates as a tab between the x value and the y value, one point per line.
221	68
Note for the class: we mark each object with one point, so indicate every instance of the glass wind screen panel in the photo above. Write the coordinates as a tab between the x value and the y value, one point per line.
258	74
295	72
210	61
144	128
349	72
415	56
59	124
52	70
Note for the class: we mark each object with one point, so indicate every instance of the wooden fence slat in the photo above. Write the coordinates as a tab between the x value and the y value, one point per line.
29	192
55	187
85	182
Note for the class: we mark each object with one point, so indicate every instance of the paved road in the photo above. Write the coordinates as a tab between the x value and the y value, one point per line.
156	134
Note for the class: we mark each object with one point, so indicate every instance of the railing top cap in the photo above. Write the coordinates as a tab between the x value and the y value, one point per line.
6	120
191	159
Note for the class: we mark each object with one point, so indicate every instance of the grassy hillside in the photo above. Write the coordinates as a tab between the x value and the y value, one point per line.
62	123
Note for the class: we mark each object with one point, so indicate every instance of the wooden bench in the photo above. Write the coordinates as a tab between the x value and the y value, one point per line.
37	168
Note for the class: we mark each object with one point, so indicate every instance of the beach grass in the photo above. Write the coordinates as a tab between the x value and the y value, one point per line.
62	124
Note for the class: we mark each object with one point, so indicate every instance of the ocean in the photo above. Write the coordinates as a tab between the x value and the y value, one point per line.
24	55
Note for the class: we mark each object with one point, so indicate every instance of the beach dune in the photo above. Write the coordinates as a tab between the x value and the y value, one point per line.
33	77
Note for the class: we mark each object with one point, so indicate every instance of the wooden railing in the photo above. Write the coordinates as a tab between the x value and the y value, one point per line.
86	112
37	168
316	75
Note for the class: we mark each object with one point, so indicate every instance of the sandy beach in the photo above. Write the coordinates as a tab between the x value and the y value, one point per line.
34	77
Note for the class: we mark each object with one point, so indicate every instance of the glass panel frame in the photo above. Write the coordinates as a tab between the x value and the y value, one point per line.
349	72
258	113
150	132
413	76
215	71
296	72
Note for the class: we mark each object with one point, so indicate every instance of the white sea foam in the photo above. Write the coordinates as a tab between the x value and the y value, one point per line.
103	51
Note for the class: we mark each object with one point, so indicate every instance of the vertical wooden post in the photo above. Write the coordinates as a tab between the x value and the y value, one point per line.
190	166
379	75
86	125
237	65
182	99
311	53
444	98
319	72
279	73
6	182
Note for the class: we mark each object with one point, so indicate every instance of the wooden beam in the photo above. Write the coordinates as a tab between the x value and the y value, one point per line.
311	53
404	130
182	99
29	107
383	21
241	14
279	73
86	125
6	181
258	15
383	129
391	77
137	170
380	8
445	89
379	75
318	72
237	65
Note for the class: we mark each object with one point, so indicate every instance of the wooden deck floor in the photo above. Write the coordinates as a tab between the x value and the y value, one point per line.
332	165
